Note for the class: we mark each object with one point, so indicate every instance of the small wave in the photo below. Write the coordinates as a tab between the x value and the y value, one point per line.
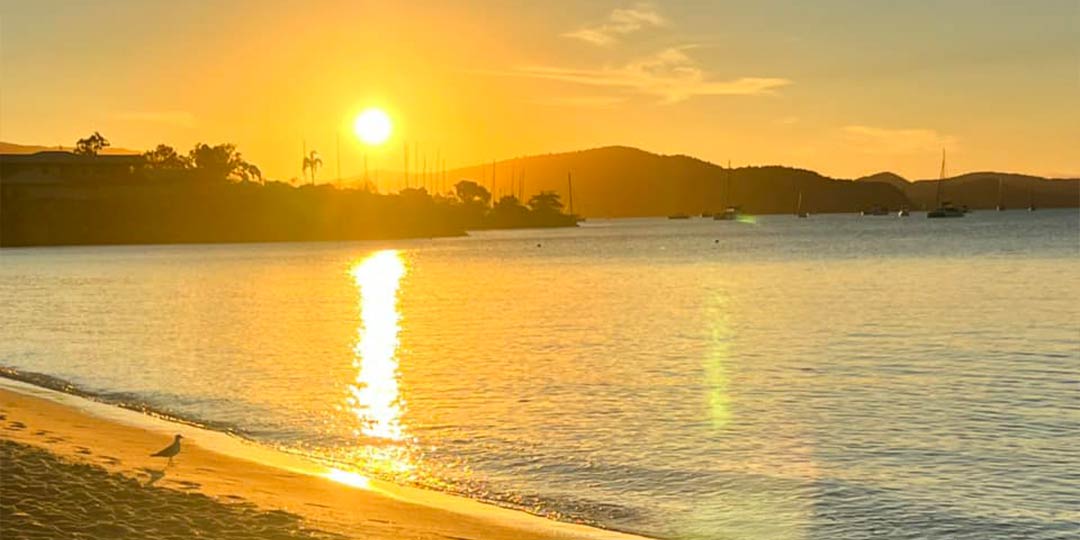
123	400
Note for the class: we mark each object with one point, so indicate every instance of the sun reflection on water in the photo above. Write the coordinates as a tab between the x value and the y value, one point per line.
374	396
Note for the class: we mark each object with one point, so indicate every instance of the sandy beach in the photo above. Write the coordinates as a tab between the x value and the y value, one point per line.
72	468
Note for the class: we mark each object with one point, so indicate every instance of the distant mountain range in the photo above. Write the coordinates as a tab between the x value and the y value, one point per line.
618	181
987	190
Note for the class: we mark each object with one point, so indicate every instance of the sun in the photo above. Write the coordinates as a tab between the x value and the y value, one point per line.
373	126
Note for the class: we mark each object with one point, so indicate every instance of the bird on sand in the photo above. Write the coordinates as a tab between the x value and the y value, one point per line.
171	450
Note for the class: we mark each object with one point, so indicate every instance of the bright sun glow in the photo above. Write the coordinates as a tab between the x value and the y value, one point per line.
373	126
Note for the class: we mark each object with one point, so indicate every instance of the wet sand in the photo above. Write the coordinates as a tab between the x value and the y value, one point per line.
67	473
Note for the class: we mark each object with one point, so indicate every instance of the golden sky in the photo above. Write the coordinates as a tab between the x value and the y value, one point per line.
844	87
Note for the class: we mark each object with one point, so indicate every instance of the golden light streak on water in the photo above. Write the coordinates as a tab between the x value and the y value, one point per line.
716	368
375	397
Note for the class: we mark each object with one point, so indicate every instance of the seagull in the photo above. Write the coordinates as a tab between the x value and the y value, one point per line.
171	450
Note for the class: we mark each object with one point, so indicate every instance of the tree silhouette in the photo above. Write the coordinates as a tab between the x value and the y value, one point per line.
508	203
248	172
165	157
222	162
90	146
312	162
469	193
546	202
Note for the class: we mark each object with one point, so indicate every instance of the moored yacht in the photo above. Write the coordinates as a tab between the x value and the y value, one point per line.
945	209
730	213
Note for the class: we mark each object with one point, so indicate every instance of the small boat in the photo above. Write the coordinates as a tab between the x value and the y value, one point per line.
904	212
945	209
730	213
876	210
679	216
706	215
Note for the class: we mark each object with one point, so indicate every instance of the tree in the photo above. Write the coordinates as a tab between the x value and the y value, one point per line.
248	172
165	157
90	146
469	192
222	162
508	212
508	203
546	202
415	194
312	162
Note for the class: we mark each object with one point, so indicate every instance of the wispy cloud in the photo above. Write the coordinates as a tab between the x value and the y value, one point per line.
175	118
875	140
584	102
670	75
620	22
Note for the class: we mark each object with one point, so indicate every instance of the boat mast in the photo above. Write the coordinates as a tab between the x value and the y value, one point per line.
941	180
570	189
727	186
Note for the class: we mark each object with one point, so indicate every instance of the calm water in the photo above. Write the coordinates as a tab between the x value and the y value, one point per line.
837	377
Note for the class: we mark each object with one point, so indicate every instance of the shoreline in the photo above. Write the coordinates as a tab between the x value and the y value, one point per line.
227	469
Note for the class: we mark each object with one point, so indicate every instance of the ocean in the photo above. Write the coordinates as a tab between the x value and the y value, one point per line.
836	377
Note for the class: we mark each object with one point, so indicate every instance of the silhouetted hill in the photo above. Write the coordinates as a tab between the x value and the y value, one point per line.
618	181
987	190
13	148
892	179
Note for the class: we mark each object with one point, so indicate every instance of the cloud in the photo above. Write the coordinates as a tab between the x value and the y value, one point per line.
174	118
587	102
620	22
669	74
875	140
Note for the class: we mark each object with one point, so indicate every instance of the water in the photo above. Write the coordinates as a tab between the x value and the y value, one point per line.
836	377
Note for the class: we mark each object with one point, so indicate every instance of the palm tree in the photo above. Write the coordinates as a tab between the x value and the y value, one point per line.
312	162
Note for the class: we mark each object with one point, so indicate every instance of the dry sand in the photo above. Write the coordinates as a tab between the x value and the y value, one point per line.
67	471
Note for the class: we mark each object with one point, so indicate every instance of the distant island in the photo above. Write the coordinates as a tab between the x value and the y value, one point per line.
91	195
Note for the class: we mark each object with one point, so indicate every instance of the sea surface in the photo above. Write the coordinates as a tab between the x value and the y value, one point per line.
836	377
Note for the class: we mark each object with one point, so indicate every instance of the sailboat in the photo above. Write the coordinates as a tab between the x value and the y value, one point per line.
1031	199
798	208
731	213
1001	192
945	209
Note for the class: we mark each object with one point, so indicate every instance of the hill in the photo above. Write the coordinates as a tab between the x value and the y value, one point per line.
13	148
618	181
987	190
